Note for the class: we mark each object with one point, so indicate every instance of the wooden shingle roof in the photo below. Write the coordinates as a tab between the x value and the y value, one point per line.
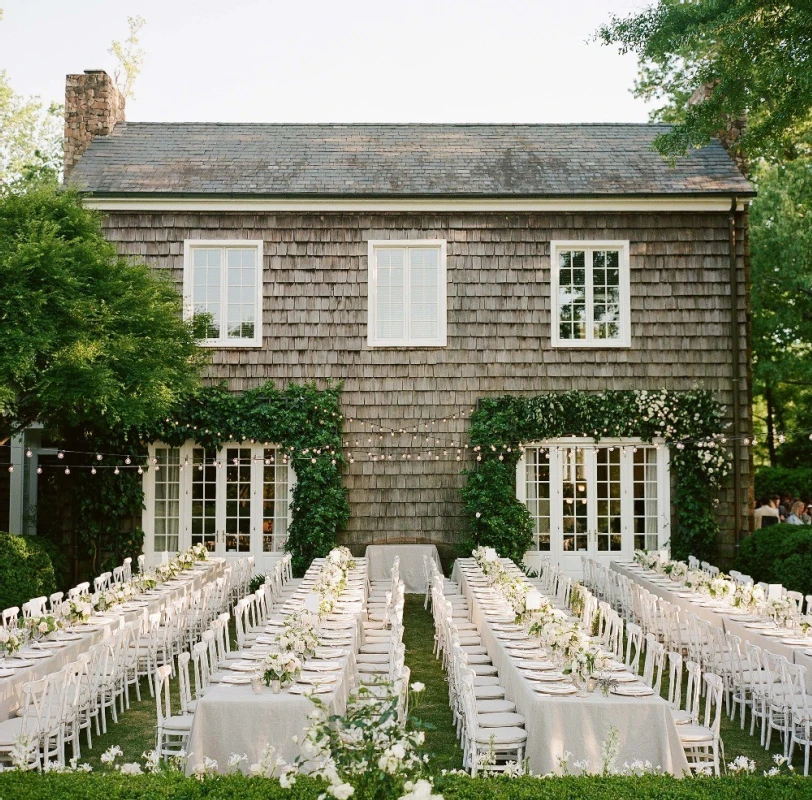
284	160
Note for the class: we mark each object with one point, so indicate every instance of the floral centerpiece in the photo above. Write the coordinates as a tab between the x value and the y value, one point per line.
342	558
40	627
488	561
282	667
584	661
200	552
781	609
104	600
676	570
167	570
299	634
77	611
647	560
10	642
748	597
721	587
697	580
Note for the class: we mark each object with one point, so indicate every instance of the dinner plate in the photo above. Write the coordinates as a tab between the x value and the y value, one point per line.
623	677
316	679
298	689
6	673
547	675
37	654
323	666
538	665
69	637
633	691
51	645
759	626
796	642
524	644
774	632
513	637
554	688
242	666
330	652
18	663
238	680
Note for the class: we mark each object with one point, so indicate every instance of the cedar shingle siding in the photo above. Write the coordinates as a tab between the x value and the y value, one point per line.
315	326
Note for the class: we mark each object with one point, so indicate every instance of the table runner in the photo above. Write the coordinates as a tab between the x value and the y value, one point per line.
11	688
380	558
232	719
579	724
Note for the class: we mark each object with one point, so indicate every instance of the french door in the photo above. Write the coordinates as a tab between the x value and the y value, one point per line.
234	500
600	500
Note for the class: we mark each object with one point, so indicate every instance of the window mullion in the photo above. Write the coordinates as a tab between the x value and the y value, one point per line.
223	295
407	296
590	297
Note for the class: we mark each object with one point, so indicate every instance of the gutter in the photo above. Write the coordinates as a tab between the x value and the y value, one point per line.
735	376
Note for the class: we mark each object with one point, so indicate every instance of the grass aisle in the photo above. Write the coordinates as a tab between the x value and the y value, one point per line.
433	708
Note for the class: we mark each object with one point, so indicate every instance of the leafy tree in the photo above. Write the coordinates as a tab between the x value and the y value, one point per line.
130	57
754	57
90	341
781	248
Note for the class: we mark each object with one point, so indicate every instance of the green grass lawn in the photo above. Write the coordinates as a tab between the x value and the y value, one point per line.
135	731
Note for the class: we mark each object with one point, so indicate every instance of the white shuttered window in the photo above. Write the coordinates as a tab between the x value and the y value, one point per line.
407	294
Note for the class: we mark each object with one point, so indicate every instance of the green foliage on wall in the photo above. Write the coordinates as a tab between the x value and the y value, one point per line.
305	422
689	422
25	570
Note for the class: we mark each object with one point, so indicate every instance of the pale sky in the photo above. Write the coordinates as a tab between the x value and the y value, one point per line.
330	61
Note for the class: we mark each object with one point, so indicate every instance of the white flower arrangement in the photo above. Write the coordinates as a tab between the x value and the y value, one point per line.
282	667
721	587
676	570
748	597
300	634
647	560
781	609
77	611
43	626
698	580
200	552
10	642
585	660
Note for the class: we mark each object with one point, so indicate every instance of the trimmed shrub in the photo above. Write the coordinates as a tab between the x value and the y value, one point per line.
779	554
25	570
32	786
770	481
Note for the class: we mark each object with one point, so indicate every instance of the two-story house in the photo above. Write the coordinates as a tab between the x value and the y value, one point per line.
426	267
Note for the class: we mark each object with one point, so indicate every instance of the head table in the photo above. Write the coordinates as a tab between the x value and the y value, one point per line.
746	626
579	725
381	558
67	646
230	718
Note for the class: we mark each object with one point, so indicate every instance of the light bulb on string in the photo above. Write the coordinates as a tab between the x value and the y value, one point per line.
60	454
99	456
28	453
39	470
67	470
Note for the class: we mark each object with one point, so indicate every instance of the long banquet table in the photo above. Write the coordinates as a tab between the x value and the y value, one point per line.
230	718
100	626
769	638
556	724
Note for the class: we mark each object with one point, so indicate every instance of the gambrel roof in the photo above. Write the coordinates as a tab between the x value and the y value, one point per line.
284	160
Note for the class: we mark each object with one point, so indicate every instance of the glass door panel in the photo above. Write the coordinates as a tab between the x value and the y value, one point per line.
237	525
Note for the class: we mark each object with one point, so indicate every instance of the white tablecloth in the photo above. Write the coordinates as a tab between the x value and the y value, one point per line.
382	556
104	624
580	724
728	620
230	718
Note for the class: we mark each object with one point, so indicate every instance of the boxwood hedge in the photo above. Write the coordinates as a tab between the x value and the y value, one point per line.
26	570
32	786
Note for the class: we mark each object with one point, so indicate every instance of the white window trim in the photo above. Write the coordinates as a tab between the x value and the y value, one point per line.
188	304
663	488
372	340
185	526
625	309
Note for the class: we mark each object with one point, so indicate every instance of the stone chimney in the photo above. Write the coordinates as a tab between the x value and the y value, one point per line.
93	107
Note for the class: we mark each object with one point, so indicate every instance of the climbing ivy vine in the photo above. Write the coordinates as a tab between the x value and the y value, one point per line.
690	423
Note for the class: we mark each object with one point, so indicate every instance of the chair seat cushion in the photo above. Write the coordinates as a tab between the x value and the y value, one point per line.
373	658
681	717
500	719
495	706
178	722
483	669
486	680
489	692
10	729
500	736
375	647
376	668
692	734
478	658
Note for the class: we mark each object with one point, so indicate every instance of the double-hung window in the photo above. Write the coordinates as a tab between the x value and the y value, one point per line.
407	293
590	294
223	281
